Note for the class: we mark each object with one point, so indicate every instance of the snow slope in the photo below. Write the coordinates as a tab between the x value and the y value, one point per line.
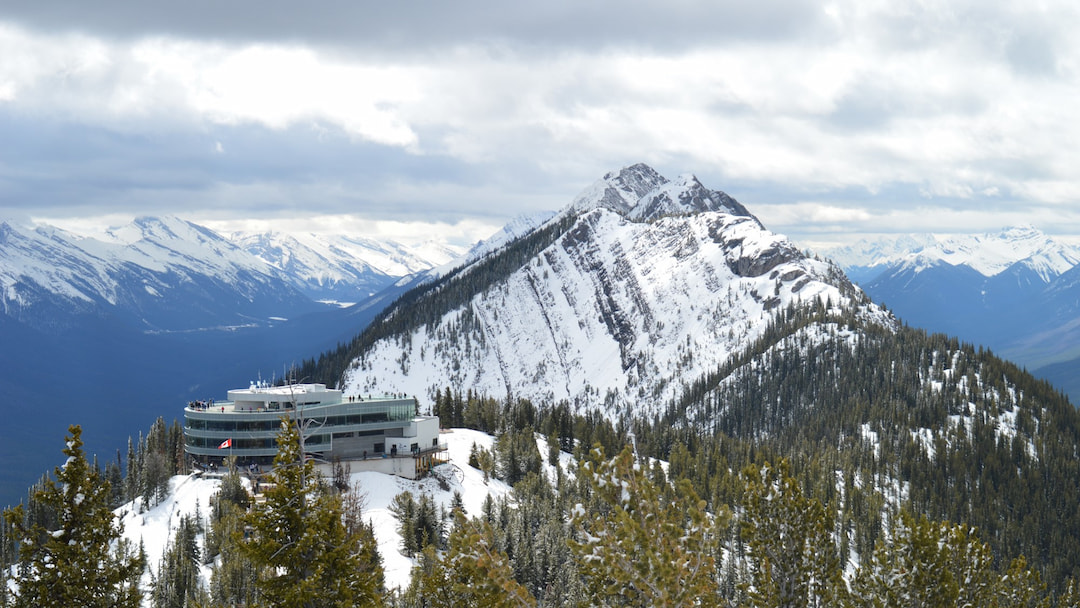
634	294
155	527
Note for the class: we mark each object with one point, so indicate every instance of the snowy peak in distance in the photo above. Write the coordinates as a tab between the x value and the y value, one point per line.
619	191
639	193
168	242
39	262
160	229
988	254
342	268
308	251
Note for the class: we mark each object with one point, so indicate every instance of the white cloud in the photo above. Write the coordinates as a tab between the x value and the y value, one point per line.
955	103
280	86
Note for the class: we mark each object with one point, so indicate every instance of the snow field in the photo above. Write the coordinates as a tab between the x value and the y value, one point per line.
155	528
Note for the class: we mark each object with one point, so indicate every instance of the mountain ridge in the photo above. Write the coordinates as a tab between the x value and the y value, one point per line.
607	285
989	254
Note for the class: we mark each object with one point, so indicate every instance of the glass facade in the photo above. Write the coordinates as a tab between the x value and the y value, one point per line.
252	422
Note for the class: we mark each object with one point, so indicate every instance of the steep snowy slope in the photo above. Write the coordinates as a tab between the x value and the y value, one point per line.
37	263
632	295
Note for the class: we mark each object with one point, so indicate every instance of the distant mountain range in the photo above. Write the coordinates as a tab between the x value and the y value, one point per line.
1016	291
167	274
339	268
114	330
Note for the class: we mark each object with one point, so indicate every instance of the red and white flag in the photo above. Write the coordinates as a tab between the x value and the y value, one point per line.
225	444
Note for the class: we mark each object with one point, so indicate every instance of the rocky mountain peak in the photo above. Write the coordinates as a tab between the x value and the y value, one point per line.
619	191
640	193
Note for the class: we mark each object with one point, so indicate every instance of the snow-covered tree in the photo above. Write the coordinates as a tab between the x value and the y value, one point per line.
81	561
927	564
177	584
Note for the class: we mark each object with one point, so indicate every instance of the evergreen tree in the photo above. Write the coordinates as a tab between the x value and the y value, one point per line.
474	573
516	454
643	544
158	464
298	539
793	560
115	476
930	564
419	523
81	561
7	557
177	583
1069	596
234	581
131	480
403	507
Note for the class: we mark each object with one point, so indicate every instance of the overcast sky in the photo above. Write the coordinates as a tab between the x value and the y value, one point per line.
401	119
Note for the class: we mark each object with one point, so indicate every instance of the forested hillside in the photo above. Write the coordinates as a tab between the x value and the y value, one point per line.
607	527
925	422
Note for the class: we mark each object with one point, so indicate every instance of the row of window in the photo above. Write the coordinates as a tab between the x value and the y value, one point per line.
197	424
251	444
392	414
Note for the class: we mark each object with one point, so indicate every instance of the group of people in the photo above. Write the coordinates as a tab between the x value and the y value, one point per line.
201	405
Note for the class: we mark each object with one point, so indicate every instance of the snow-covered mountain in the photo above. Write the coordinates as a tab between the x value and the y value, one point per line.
340	267
1012	290
170	274
515	229
638	282
158	273
1015	248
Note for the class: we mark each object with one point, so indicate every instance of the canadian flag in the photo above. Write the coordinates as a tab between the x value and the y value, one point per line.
225	444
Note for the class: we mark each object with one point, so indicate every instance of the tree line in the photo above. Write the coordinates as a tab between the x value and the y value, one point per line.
625	530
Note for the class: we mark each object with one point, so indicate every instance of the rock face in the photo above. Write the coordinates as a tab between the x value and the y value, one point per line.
654	282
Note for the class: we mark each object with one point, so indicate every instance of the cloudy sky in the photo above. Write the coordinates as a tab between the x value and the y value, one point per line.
401	119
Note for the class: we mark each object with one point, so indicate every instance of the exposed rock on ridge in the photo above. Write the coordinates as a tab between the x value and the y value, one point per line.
639	193
637	294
